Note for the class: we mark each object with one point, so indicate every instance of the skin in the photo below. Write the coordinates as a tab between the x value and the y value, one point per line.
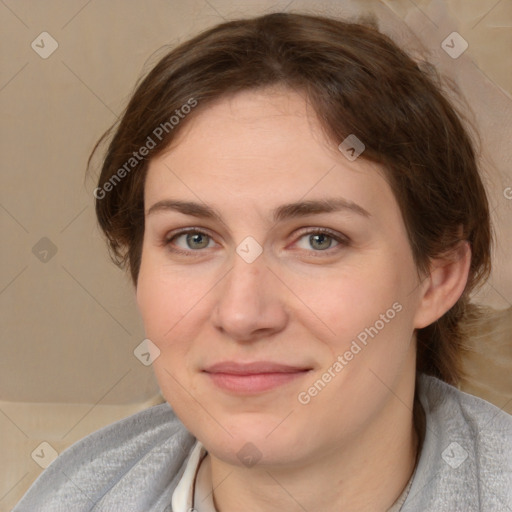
352	447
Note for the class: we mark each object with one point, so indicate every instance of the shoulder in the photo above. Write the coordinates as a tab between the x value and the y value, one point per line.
466	458
452	409
131	465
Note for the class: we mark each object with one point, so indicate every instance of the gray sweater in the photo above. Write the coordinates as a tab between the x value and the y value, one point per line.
135	464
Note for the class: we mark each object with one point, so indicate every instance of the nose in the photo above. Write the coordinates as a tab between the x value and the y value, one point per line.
250	302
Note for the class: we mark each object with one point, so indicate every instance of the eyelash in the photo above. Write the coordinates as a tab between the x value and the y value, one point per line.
342	240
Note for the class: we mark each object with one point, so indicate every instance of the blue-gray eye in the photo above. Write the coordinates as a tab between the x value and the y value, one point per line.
319	240
194	240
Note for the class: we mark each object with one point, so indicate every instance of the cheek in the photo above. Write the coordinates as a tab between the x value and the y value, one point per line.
152	301
162	307
160	302
163	297
350	300
372	318
173	311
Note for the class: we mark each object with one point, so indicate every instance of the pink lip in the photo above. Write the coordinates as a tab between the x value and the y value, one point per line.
249	378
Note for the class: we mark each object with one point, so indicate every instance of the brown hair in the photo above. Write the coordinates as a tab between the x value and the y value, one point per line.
358	82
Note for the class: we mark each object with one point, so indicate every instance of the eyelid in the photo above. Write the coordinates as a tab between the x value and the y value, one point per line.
173	234
168	238
327	231
342	239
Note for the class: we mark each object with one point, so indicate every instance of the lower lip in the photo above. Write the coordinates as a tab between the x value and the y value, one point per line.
253	383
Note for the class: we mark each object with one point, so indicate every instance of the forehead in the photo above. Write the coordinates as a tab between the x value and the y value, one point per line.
265	124
261	147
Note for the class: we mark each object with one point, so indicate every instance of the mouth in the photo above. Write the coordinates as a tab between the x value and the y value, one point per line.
254	377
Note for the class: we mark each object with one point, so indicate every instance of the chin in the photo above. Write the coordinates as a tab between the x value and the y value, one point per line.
245	453
251	444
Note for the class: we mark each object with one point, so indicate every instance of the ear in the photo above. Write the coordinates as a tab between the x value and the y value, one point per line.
444	285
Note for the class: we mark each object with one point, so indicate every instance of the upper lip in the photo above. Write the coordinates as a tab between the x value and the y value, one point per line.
253	368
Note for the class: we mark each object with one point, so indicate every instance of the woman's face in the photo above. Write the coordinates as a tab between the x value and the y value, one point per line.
311	332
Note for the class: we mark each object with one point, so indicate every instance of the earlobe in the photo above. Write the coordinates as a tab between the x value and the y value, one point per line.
444	285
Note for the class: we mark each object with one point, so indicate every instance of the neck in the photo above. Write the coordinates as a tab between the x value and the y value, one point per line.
367	473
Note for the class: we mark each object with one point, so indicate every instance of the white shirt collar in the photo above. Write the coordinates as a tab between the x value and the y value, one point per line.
195	491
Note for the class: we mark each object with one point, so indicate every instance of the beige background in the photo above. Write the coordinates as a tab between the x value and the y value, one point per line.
69	324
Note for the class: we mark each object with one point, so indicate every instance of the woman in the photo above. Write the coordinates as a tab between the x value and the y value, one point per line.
302	216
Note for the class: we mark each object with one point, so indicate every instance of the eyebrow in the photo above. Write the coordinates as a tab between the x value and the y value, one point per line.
283	212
